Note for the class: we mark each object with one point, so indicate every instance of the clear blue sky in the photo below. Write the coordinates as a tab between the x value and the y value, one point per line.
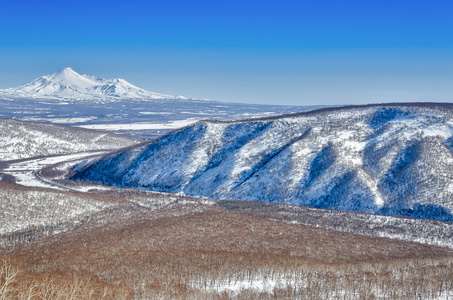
272	52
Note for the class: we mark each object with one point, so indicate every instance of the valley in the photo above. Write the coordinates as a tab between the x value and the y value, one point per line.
26	172
346	202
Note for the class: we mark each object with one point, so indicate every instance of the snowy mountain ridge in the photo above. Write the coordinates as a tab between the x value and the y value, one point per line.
384	159
68	84
22	140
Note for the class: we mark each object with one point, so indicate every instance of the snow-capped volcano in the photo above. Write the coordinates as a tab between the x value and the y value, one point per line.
68	84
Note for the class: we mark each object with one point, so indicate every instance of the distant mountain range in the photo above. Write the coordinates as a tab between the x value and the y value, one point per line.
394	159
66	97
68	84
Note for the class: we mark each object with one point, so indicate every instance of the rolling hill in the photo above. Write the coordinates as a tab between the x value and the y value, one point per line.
21	139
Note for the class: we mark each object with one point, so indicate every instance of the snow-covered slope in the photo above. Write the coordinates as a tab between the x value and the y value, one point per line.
20	139
388	159
67	84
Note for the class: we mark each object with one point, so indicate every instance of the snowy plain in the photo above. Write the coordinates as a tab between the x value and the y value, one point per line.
142	126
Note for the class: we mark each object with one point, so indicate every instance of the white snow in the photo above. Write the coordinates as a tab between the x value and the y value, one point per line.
68	120
157	113
24	171
258	283
142	126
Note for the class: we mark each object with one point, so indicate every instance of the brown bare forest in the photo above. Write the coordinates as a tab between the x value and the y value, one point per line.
194	249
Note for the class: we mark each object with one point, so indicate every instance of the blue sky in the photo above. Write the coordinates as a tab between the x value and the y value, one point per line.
270	52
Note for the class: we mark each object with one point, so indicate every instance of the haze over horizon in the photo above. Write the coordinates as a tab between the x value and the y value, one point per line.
290	52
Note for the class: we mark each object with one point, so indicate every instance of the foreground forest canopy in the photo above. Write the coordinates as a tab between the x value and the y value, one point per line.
186	248
144	245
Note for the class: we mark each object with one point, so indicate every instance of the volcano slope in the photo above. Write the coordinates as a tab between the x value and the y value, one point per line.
392	159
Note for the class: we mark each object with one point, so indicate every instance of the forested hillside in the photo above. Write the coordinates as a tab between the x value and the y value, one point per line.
389	159
21	139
